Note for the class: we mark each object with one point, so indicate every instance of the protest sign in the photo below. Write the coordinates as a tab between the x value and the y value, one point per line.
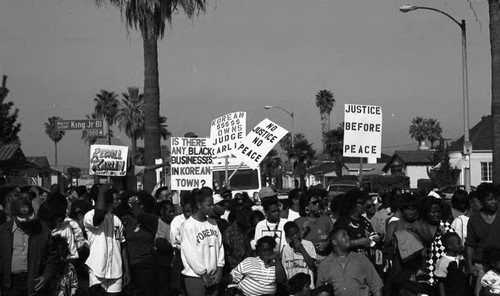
362	130
191	163
259	141
108	160
226	132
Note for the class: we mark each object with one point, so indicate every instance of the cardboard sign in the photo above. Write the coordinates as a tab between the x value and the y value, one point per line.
108	160
226	132
191	163
259	141
362	130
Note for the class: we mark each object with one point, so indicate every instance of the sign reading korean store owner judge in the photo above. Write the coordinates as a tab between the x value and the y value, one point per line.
362	130
108	160
259	141
226	132
191	163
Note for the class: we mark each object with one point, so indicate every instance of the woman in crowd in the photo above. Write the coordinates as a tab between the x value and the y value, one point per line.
313	224
259	275
202	250
351	219
461	210
140	231
432	218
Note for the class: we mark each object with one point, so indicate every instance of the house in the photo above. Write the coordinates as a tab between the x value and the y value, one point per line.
413	164
481	157
45	175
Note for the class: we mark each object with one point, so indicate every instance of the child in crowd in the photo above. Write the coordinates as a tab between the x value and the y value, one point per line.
65	282
298	256
300	284
491	280
325	290
350	273
450	268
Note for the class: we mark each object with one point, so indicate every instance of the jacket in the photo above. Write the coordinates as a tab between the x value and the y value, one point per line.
41	260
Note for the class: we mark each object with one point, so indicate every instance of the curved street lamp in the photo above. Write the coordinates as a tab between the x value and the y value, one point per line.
465	87
289	113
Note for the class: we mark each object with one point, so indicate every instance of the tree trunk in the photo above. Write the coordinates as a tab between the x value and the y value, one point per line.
151	109
324	129
494	14
55	145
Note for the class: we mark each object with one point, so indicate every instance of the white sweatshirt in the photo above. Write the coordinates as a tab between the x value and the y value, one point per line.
201	247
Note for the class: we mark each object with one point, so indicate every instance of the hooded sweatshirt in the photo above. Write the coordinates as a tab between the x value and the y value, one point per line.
201	247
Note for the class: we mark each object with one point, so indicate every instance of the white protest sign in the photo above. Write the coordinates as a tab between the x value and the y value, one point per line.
191	163
108	160
226	132
259	141
362	130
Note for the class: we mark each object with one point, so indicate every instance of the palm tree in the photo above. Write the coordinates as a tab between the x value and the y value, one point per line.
325	102
334	140
54	134
270	164
131	117
164	132
419	129
434	131
151	17
106	107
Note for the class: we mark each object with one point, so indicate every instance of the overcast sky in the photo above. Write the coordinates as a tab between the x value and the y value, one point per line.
242	55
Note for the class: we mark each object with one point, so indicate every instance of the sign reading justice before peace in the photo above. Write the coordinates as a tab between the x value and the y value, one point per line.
362	131
259	141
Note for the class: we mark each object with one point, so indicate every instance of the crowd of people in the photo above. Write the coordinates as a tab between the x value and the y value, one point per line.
105	242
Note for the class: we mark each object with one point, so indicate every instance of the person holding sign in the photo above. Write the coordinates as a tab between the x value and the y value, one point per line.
202	251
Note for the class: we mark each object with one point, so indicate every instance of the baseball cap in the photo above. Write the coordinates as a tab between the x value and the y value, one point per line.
266	192
217	198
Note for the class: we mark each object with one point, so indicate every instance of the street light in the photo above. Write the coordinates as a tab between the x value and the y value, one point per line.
291	115
465	86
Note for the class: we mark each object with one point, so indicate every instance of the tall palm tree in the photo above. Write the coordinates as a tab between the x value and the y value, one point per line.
151	17
106	107
131	117
334	140
325	102
419	129
54	134
434	131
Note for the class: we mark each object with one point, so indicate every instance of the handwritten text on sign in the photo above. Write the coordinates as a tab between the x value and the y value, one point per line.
259	141
191	163
362	130
226	132
108	160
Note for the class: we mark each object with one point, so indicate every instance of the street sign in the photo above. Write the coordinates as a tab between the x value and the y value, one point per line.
82	124
94	133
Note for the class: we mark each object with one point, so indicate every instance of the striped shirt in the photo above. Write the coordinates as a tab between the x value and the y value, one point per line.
254	278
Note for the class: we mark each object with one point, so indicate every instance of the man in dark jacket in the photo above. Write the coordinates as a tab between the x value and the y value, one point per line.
26	262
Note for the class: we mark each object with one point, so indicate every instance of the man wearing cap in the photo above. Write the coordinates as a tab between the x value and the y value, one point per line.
27	263
273	224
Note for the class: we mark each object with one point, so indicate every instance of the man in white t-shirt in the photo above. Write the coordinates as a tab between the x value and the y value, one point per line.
108	258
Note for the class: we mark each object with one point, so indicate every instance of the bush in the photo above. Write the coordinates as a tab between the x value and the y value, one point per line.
380	183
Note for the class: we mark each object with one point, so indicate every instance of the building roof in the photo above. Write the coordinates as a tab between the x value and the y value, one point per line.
322	168
481	136
7	152
40	161
415	158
